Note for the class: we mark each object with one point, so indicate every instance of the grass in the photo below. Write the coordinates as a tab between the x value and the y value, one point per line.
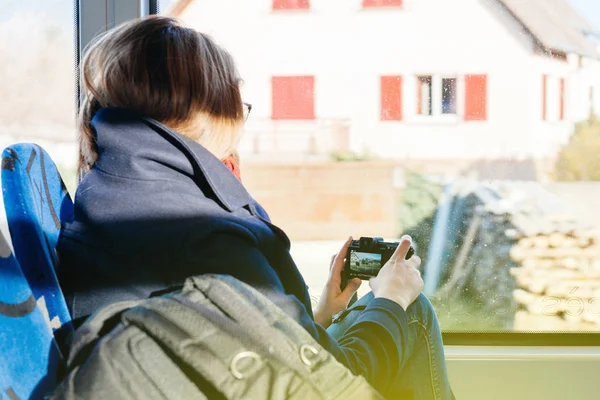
465	315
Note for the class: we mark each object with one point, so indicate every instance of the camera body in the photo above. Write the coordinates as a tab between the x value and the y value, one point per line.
366	256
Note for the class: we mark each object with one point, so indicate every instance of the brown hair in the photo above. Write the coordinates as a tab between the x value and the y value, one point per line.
167	72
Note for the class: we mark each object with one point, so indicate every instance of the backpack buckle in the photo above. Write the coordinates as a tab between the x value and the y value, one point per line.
307	354
235	363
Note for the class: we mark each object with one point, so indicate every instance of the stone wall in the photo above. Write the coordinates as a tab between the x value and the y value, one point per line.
328	201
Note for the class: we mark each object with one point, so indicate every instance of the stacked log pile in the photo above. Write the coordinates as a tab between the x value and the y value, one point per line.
523	259
558	280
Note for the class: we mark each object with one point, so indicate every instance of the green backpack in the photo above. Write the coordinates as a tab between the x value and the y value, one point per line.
217	338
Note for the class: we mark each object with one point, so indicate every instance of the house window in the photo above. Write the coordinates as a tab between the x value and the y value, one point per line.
391	98
293	97
436	95
291	5
382	3
424	95
449	96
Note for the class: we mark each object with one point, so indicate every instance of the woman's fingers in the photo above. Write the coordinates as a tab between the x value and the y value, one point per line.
415	261
333	257
338	263
349	291
402	249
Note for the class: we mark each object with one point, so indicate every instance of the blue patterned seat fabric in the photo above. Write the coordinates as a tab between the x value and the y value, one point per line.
36	202
30	357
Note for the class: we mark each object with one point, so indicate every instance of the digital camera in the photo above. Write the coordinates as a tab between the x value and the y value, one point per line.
366	256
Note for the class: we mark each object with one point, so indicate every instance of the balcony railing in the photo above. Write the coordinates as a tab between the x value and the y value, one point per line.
271	140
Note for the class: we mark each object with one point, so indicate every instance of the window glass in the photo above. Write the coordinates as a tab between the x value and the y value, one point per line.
449	96
424	95
37	78
498	185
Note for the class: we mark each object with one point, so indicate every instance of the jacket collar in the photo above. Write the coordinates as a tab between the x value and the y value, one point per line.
137	147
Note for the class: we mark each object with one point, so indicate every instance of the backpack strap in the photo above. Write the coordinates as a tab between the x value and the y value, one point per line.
96	326
262	321
212	350
265	321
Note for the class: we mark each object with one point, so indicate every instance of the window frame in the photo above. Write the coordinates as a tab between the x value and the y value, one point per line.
436	116
94	17
511	338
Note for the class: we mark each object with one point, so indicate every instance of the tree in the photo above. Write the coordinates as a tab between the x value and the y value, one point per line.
579	160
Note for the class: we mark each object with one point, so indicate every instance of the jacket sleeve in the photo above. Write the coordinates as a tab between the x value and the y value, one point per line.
372	347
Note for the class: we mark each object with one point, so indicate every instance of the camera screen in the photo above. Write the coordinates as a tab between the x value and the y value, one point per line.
365	263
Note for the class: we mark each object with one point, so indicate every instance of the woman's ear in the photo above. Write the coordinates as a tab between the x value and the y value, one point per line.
232	163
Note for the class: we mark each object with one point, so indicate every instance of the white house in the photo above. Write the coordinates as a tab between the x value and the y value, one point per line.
407	79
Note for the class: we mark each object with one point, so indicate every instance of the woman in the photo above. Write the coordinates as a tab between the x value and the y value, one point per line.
160	199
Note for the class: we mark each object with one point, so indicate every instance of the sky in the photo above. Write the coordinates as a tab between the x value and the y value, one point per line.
590	9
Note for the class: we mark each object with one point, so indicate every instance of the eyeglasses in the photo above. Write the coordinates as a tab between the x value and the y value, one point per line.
248	107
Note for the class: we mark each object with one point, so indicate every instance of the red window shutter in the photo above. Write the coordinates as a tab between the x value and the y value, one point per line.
544	97
419	97
293	97
291	4
391	98
382	3
562	99
476	97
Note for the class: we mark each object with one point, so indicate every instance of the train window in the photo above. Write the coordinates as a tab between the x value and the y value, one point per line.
37	78
497	186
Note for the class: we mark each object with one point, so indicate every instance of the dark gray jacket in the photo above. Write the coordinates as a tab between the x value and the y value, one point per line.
158	207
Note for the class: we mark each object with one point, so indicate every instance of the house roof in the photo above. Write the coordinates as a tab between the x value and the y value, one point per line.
554	23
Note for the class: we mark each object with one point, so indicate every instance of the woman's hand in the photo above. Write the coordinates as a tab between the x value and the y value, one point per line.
333	299
399	280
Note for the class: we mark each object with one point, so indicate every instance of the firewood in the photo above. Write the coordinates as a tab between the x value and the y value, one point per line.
518	253
525	243
537	263
540	242
557	239
584	241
